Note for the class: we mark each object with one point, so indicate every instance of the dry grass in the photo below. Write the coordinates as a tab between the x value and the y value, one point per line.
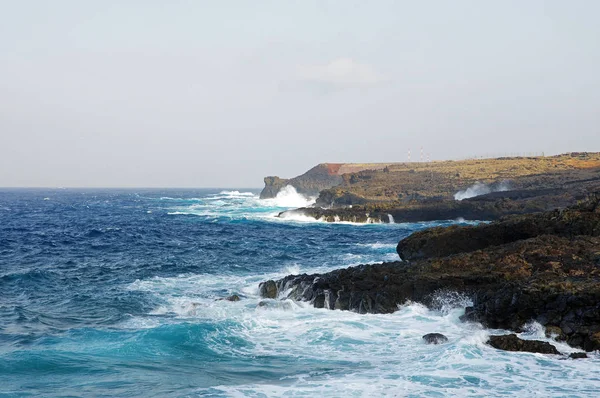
444	178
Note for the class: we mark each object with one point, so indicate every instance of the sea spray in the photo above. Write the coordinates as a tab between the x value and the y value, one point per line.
289	197
479	189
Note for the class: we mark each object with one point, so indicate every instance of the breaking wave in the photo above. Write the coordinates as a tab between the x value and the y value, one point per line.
289	197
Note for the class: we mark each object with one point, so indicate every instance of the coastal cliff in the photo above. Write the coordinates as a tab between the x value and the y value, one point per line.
538	267
402	183
485	189
317	179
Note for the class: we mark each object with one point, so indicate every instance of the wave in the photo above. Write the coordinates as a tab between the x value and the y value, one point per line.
327	352
167	198
288	197
236	193
378	245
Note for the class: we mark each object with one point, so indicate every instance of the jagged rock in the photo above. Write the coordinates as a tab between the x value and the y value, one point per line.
578	355
435	338
511	342
554	331
273	185
322	176
268	289
233	297
441	242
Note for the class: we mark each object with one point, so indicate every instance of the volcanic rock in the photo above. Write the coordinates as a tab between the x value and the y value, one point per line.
541	267
578	355
435	338
268	289
441	242
511	342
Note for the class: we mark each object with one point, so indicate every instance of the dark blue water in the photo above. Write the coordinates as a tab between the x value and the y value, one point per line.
115	293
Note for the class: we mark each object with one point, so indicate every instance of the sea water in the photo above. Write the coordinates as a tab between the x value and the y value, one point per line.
116	293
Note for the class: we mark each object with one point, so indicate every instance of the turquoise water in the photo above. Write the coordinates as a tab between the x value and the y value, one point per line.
115	293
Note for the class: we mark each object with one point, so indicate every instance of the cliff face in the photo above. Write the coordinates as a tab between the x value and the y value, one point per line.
273	185
402	183
320	177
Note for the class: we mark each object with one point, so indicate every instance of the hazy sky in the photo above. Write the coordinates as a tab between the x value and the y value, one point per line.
222	93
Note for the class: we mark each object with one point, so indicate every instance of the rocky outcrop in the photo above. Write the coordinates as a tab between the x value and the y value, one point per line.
320	177
578	355
511	342
488	207
539	267
435	338
268	289
441	242
273	185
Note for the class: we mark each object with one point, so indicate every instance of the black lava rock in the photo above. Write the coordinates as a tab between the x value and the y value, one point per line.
510	342
435	338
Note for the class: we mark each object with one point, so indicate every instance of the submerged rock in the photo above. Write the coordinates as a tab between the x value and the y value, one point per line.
435	338
233	297
276	305
511	342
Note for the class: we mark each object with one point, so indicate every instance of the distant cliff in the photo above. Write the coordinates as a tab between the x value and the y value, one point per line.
320	177
402	183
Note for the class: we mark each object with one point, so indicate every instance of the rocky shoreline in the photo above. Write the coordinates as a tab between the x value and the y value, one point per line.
486	189
489	207
542	267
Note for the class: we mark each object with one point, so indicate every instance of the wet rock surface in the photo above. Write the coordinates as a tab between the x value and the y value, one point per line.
542	267
511	342
268	289
578	355
435	338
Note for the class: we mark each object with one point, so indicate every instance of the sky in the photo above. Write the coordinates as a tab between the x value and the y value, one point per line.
221	93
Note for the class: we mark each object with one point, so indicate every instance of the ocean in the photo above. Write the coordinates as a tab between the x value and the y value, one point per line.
115	293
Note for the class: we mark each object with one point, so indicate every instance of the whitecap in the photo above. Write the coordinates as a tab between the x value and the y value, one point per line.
289	197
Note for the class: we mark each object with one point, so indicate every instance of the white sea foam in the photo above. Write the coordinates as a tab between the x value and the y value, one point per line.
289	197
298	217
378	245
363	355
237	193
